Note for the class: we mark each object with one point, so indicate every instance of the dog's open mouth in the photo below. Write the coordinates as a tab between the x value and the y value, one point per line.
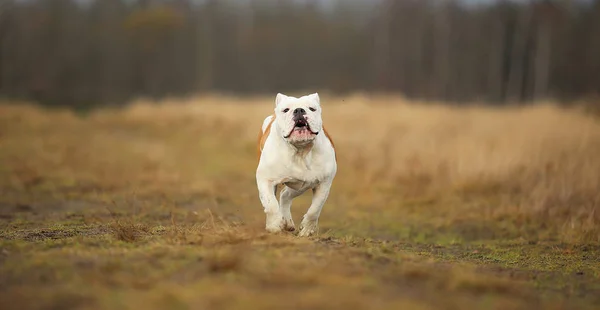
301	123
301	127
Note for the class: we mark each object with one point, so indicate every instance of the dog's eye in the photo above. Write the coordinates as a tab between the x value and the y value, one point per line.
312	109
285	110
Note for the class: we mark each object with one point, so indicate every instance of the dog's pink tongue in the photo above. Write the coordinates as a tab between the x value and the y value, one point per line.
301	132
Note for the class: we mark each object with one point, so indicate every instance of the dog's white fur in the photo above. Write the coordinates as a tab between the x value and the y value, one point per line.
302	162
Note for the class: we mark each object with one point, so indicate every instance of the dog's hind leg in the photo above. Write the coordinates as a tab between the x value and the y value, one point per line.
285	205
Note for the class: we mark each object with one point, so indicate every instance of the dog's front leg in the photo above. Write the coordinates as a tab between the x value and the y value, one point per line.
310	220
266	192
287	194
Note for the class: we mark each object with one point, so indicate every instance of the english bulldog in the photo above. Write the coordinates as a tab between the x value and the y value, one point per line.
294	150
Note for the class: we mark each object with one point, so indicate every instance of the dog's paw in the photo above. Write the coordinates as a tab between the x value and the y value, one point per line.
308	228
275	223
273	229
288	223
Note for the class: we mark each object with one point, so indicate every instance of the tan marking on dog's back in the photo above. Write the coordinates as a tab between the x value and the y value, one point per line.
330	140
262	137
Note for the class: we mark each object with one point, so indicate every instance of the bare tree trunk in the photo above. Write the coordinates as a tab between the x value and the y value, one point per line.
4	34
542	60
419	76
442	28
496	60
206	46
3	31
381	54
516	75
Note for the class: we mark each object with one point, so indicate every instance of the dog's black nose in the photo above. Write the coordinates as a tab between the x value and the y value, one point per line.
299	111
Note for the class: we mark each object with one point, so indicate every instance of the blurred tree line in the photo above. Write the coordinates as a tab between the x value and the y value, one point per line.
66	52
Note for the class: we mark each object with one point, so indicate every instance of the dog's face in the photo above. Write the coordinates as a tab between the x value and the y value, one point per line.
298	119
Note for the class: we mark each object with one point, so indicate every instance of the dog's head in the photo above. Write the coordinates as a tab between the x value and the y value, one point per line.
298	119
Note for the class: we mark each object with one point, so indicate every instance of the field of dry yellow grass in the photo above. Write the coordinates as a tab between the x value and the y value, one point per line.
154	206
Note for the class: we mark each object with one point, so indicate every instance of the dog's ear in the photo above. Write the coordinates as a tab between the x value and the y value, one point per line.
279	98
315	97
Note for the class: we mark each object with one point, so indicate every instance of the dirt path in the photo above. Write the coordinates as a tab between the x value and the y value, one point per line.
76	255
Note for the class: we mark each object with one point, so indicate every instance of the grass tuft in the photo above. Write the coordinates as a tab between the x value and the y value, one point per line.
128	231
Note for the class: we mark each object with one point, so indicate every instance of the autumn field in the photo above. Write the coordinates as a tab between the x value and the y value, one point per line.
154	206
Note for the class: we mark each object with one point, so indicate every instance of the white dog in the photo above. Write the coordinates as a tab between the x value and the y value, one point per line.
294	150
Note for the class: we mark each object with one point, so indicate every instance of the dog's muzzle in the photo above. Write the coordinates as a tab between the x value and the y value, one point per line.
300	123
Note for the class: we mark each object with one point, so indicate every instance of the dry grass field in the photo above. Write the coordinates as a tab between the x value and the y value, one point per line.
154	206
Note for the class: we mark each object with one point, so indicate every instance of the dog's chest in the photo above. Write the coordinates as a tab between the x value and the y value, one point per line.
304	171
